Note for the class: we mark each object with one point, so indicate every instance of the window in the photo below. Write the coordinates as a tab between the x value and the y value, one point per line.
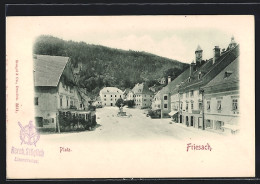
191	93
111	99
187	106
105	104
199	76
208	105
67	102
165	106
111	96
105	99
191	105
187	94
104	95
120	96
219	105
36	101
181	106
144	99
115	95
200	106
61	101
227	74
165	97
71	103
234	104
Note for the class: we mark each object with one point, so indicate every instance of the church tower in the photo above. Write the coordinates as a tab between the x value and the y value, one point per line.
232	43
198	55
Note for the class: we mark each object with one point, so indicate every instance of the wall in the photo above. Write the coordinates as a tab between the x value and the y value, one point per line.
110	97
226	115
47	103
196	112
156	102
67	93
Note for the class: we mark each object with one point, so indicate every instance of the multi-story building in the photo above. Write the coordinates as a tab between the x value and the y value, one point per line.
175	96
130	95
156	102
163	98
191	91
142	96
109	95
221	94
55	88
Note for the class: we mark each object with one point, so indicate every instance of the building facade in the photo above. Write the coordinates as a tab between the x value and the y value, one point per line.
54	88
193	99
222	100
109	96
142	96
156	102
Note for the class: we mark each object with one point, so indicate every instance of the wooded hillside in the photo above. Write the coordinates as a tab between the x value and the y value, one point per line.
104	66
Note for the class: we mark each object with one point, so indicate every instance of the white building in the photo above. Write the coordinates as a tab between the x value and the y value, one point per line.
142	96
222	100
130	95
109	95
156	102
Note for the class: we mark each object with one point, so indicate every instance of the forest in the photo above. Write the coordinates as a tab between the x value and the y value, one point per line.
103	66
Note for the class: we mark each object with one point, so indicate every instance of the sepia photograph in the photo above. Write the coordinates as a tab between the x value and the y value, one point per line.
130	96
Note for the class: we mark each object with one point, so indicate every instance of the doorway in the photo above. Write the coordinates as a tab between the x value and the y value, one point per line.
187	120
191	121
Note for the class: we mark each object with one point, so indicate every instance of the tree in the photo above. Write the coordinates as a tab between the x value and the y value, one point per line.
130	103
119	102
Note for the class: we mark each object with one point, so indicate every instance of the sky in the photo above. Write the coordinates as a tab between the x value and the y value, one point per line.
174	37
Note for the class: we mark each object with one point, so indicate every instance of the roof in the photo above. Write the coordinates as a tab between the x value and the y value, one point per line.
172	87
127	90
141	88
110	90
209	70
221	81
48	69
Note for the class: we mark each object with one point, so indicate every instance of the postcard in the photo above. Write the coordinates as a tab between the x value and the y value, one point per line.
130	96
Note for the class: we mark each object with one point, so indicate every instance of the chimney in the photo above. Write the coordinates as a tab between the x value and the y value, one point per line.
192	67
169	79
216	53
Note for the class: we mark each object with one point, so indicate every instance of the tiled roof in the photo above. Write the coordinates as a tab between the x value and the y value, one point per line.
110	90
48	69
127	90
223	81
141	88
209	70
173	85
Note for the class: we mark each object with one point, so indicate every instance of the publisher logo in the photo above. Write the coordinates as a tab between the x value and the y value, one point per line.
28	134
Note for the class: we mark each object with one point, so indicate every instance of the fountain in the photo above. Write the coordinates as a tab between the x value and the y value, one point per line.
121	113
